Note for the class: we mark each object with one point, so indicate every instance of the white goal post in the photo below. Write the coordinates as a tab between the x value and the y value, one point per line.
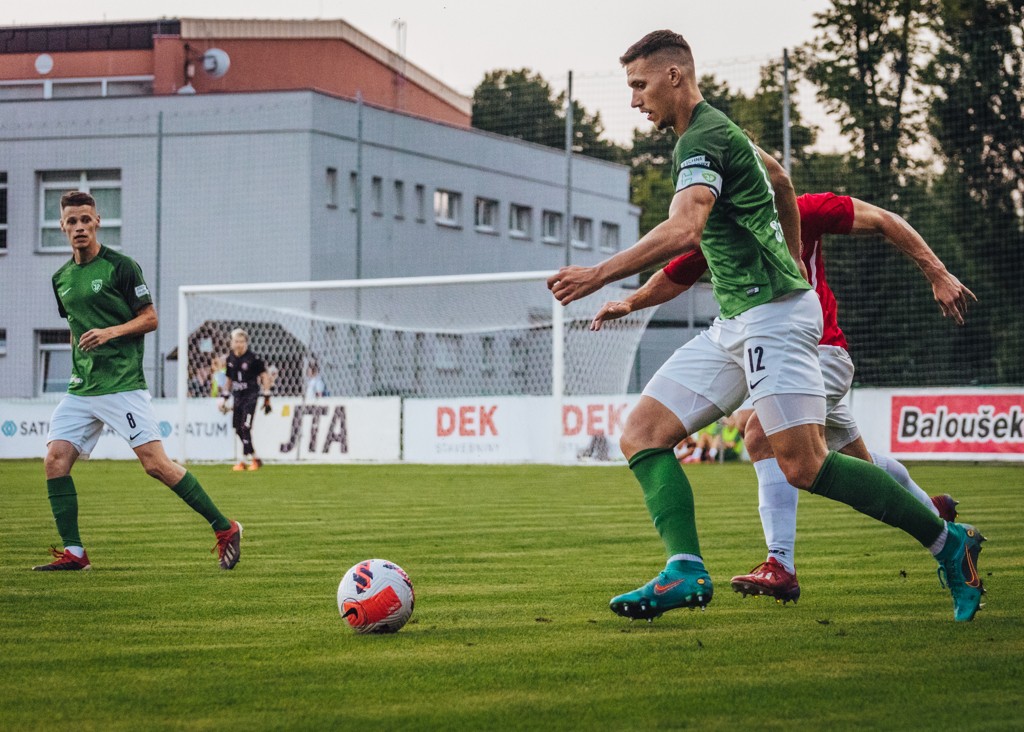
404	338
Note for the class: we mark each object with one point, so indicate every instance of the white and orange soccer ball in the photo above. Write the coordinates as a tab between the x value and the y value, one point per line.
376	596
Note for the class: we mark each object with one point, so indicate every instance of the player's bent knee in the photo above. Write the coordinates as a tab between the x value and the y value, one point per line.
756	442
800	472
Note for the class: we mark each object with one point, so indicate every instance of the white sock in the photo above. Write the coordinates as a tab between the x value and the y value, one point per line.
777	501
686	558
899	473
76	550
698	452
940	543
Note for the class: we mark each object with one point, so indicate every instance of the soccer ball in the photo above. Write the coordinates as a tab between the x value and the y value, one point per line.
376	596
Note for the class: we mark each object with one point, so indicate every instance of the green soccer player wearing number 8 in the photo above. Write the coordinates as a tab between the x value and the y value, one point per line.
109	310
765	340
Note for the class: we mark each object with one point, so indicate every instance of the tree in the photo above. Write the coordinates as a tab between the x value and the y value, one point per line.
519	104
978	120
522	104
864	64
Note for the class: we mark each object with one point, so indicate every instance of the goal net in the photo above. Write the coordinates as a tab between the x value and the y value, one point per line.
410	338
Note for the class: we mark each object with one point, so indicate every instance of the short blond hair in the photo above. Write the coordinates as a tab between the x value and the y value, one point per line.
240	332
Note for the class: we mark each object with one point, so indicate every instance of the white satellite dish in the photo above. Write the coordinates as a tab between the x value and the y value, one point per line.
216	63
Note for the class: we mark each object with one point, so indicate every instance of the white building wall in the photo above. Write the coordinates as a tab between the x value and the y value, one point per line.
242	198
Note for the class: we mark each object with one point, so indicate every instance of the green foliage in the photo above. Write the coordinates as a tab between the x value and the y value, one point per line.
864	64
891	71
522	104
513	568
977	118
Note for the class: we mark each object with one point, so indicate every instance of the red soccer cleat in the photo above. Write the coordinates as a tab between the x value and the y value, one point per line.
229	546
769	578
946	505
64	561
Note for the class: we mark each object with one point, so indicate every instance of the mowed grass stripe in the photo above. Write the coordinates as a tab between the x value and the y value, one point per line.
513	569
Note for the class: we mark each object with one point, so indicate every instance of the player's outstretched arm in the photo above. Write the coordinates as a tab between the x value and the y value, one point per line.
145	321
654	292
951	295
677	234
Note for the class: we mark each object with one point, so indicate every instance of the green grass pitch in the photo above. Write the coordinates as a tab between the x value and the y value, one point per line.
513	569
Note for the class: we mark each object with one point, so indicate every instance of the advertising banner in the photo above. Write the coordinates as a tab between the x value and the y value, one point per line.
329	430
961	424
479	430
942	424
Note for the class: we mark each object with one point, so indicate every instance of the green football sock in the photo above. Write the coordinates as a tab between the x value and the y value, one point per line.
669	499
193	494
64	504
873	492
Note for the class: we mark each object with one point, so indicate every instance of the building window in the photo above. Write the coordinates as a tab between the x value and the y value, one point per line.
122	86
332	187
489	354
421	203
552	227
377	195
609	237
582	233
3	341
3	212
447	207
353	191
105	187
399	199
54	361
486	216
448	352
520	224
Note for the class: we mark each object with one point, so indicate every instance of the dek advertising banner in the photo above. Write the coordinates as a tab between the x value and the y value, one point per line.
478	430
591	427
515	429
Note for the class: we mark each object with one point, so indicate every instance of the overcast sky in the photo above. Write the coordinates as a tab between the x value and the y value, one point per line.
458	41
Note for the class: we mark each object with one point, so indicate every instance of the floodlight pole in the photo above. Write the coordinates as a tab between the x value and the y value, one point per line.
568	172
786	138
158	375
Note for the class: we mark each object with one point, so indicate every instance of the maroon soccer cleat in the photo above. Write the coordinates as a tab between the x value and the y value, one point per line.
769	578
229	546
64	561
946	505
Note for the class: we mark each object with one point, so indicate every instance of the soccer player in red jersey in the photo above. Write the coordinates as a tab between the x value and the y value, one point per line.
820	214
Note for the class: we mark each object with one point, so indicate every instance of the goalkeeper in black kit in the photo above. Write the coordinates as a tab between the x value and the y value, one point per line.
248	380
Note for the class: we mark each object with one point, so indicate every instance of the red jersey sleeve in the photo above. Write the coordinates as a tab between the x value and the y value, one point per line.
824	213
687	268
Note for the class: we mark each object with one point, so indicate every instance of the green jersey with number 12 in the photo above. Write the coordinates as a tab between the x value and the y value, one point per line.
106	291
742	240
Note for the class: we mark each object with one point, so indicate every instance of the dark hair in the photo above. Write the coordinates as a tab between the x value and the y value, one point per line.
653	42
76	198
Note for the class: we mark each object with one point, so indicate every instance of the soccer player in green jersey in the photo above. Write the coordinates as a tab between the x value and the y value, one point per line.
765	341
109	310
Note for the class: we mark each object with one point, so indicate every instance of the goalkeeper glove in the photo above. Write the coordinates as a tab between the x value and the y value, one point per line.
266	404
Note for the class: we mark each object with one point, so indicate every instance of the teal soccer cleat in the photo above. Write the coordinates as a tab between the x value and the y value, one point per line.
680	584
958	570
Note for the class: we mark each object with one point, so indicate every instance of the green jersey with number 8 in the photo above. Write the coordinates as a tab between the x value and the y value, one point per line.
742	240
